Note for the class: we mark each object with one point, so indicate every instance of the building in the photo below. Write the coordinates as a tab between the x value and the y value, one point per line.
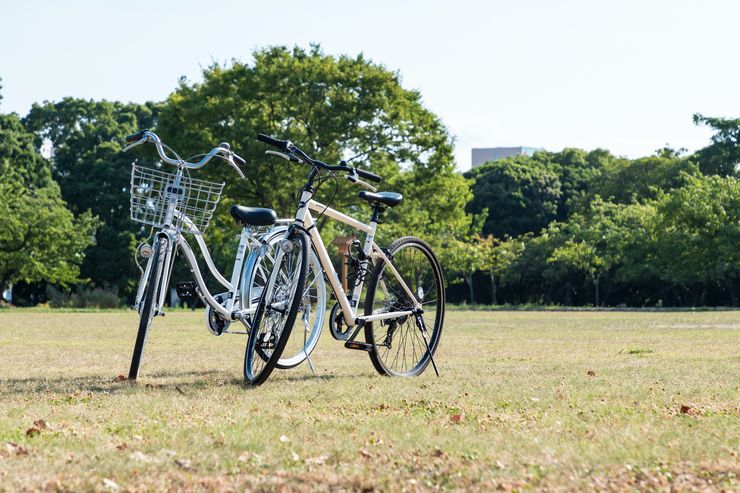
480	156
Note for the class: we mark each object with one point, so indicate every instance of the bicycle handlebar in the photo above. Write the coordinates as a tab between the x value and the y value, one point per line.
222	151
292	151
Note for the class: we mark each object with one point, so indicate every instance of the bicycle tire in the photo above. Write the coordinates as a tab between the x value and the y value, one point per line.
416	262
147	311
312	311
275	315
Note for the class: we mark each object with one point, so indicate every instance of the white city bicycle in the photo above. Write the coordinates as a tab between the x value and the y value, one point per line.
405	296
175	204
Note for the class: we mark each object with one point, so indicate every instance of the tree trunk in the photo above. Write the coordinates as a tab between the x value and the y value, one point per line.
568	297
596	285
493	289
732	296
469	280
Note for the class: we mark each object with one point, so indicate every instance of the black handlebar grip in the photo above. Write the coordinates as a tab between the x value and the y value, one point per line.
135	137
368	176
239	160
280	144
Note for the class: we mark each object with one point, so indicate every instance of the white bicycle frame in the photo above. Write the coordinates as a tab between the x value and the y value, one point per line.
247	243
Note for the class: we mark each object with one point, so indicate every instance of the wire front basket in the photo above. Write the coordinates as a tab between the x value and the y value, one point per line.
194	200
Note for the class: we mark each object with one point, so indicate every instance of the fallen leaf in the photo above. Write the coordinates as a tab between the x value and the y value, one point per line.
16	449
121	377
33	432
685	409
244	456
456	418
591	373
438	453
384	406
284	439
365	453
179	390
183	464
41	424
317	460
110	484
138	456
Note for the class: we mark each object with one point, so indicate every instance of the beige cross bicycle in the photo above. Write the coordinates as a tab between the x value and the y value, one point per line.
404	304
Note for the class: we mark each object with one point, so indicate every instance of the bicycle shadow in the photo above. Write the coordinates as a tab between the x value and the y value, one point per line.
183	382
78	386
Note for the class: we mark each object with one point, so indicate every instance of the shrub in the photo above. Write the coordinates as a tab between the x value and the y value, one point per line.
84	298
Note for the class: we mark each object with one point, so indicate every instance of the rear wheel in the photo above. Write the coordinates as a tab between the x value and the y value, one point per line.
399	345
310	319
147	311
276	312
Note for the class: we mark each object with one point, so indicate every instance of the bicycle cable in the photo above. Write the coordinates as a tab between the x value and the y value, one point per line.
319	181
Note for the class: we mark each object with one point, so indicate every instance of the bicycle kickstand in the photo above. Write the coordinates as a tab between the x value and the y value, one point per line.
420	323
308	357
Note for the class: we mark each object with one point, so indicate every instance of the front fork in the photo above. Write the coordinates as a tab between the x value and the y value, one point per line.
164	281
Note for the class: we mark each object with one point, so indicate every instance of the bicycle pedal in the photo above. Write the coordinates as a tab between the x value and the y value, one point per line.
360	346
185	290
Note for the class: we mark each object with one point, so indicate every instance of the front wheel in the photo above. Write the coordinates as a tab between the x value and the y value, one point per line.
276	312
147	312
400	347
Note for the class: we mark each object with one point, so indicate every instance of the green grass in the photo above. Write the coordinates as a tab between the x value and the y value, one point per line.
527	400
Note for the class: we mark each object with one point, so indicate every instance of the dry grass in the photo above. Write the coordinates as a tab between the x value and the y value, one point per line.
527	400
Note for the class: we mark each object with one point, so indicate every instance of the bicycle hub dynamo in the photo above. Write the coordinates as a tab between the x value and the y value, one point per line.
146	251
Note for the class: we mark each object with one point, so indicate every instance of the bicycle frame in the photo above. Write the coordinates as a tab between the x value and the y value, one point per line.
247	242
371	250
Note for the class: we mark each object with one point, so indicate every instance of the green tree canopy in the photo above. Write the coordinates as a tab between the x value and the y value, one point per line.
722	156
626	180
94	175
521	195
40	239
334	109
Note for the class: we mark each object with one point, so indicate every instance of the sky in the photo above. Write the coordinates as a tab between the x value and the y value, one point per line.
625	75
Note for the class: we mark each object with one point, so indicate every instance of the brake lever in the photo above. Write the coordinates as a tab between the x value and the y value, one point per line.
285	156
360	182
143	140
233	164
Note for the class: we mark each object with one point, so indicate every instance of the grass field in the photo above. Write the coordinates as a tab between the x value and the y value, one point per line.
559	401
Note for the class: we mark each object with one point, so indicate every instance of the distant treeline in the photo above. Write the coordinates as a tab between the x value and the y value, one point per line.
578	228
568	228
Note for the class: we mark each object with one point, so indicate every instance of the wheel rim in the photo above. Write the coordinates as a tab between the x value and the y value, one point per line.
399	344
310	319
270	321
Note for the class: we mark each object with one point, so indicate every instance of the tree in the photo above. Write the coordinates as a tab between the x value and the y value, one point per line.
701	229
490	262
521	195
40	240
626	181
463	258
334	109
93	174
722	156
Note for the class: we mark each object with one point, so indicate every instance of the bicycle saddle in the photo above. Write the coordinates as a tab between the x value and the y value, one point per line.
390	199
252	216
